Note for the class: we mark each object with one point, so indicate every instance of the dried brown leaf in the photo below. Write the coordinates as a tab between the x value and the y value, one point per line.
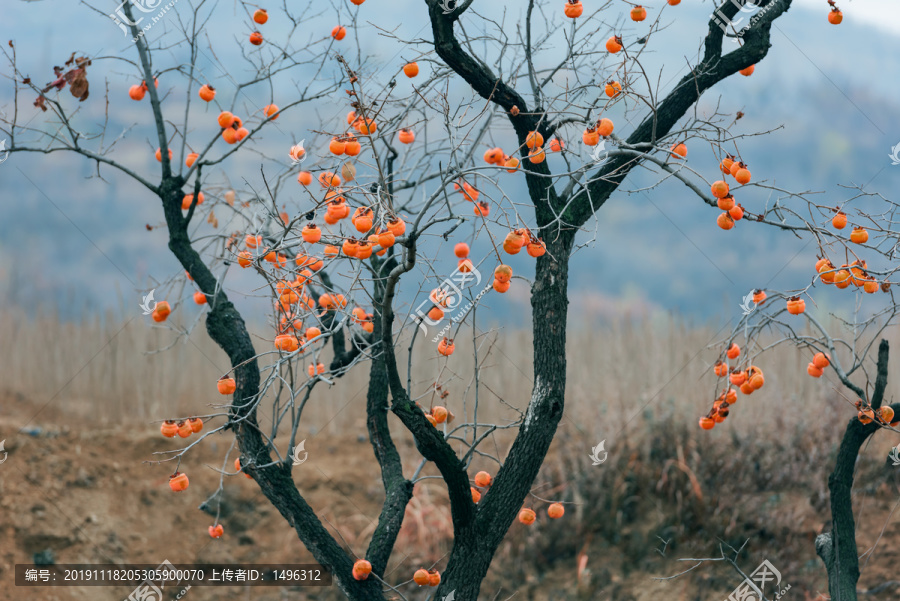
348	172
78	84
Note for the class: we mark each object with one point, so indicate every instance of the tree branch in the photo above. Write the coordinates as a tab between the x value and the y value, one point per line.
492	88
712	69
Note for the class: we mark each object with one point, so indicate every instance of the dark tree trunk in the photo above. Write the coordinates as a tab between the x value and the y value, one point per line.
837	548
475	545
227	328
397	489
476	541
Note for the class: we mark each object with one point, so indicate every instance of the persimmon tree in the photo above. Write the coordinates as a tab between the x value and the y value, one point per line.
336	240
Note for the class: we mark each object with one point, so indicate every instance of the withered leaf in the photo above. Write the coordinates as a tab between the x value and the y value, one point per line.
348	172
72	74
78	84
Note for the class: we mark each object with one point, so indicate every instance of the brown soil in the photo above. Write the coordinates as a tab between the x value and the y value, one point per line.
89	495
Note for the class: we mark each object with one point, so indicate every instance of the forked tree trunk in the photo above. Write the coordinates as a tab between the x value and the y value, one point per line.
227	328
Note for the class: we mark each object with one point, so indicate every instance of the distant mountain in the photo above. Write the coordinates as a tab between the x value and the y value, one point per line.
73	241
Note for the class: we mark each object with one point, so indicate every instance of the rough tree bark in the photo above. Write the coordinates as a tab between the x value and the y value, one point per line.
713	68
837	548
397	489
475	546
227	328
476	541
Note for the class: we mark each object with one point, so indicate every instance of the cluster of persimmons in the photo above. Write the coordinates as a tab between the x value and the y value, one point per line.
751	378
720	189
747	380
853	273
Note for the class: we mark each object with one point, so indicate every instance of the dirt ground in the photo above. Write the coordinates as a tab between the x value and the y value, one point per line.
89	495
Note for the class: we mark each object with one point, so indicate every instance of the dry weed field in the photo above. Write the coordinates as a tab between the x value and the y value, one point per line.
80	481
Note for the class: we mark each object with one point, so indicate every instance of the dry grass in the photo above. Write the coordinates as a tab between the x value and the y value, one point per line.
640	385
622	378
110	366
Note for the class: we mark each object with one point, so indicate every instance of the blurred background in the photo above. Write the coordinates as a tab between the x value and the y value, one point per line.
824	90
656	282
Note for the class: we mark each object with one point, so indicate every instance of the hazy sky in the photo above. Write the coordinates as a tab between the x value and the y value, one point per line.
882	14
